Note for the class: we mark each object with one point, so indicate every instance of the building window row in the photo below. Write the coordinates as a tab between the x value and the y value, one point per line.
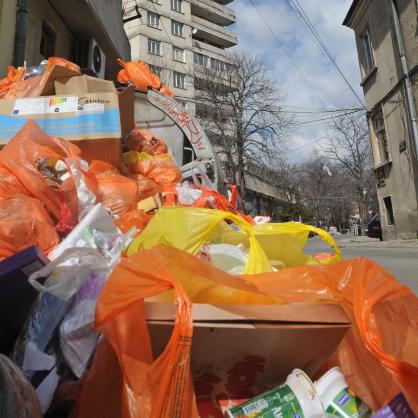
205	61
176	5
153	21
179	79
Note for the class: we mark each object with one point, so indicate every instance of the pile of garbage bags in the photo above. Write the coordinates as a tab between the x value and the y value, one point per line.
85	247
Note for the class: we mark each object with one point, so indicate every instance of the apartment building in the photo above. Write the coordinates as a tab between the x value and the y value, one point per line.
177	36
386	33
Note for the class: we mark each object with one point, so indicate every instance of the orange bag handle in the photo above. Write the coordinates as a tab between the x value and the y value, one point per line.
168	377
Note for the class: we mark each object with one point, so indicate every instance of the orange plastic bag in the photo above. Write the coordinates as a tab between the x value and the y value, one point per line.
13	75
162	171
142	140
166	91
118	193
139	73
146	186
25	222
62	62
136	218
9	184
378	356
33	87
25	156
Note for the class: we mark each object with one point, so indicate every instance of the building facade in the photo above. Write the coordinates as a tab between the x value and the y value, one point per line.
176	36
34	30
386	34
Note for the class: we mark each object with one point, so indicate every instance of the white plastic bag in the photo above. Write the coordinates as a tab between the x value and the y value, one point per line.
67	273
97	231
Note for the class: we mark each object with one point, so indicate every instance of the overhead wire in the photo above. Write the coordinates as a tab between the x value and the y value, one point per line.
281	46
300	12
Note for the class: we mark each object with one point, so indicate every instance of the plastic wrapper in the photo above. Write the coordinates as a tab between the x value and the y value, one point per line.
142	140
25	222
18	398
378	355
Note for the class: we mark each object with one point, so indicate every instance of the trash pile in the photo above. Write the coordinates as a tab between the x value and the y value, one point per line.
128	291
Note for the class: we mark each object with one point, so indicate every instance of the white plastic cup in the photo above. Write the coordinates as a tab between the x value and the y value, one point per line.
306	393
337	398
296	398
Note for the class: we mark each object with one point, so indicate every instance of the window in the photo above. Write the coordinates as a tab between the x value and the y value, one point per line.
154	47
48	38
153	20
178	54
200	59
179	80
368	53
176	5
218	64
176	28
380	132
389	210
155	69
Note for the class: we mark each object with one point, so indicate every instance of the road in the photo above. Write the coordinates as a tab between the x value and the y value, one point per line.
401	262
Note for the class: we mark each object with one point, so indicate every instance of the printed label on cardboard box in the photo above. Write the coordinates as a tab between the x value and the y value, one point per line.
45	105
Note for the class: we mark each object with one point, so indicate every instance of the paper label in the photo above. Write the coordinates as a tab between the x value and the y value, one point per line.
347	405
45	105
91	108
279	402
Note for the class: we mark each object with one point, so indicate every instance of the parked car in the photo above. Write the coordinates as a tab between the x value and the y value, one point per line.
374	228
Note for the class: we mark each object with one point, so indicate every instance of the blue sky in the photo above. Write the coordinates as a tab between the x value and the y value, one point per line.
329	90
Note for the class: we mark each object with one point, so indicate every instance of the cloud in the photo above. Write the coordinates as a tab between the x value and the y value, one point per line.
321	86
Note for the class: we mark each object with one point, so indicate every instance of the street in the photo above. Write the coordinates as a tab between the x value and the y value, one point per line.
401	262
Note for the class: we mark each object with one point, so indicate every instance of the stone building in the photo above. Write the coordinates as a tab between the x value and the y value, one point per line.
86	30
386	33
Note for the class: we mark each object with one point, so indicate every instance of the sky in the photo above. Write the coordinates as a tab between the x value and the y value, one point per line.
319	86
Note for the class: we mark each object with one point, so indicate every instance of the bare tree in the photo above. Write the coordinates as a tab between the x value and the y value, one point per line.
349	146
240	107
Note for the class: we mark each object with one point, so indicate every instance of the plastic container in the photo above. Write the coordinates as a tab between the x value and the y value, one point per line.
296	398
337	398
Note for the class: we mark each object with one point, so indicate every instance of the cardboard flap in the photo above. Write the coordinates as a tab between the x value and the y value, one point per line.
126	108
290	313
82	84
57	72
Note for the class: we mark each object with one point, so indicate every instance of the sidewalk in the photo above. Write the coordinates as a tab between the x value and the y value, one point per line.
352	241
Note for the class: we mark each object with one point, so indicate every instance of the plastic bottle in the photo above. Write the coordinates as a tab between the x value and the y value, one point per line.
337	398
296	398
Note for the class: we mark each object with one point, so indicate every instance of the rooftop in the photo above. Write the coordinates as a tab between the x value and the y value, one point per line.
350	12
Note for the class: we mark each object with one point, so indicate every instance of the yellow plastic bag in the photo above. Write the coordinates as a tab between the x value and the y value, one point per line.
283	241
190	228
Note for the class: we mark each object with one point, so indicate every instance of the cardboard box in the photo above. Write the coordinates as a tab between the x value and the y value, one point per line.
151	203
16	294
88	110
241	351
398	408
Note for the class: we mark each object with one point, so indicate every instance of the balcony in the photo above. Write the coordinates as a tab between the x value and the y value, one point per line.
212	11
213	34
